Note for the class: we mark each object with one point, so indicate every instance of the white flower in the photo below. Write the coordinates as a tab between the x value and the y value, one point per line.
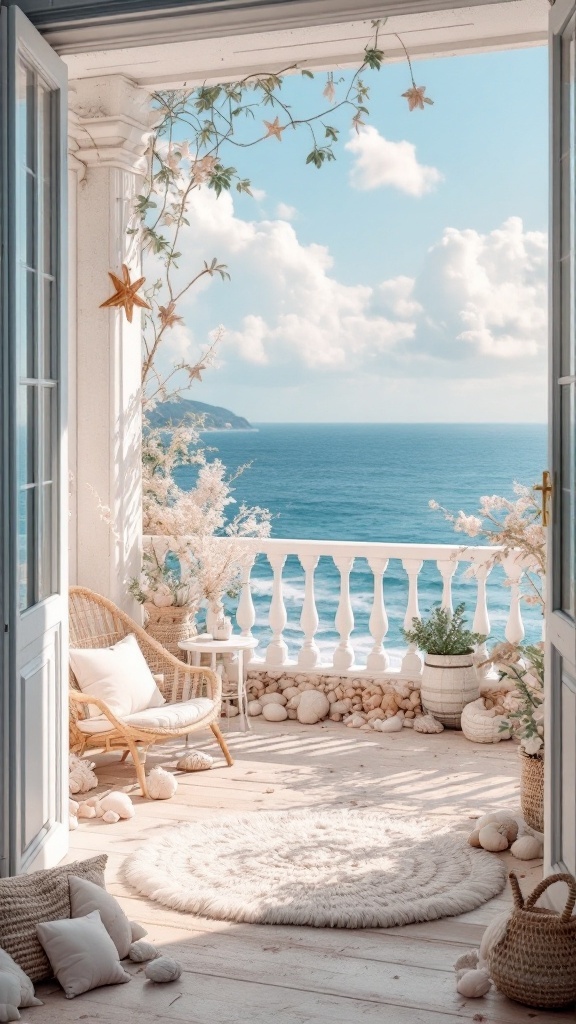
532	745
538	714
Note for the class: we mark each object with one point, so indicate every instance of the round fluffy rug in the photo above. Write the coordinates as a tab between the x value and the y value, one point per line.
333	868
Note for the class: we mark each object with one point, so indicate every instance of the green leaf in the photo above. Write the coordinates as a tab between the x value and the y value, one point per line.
373	58
331	133
306	73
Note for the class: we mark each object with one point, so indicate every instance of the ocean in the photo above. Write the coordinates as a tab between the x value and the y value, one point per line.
373	482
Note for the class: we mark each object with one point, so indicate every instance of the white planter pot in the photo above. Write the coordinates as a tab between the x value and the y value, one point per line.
449	683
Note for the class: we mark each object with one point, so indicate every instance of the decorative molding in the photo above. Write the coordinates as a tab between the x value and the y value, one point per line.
110	124
98	26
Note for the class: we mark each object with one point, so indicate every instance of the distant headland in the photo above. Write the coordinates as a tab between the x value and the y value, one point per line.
215	417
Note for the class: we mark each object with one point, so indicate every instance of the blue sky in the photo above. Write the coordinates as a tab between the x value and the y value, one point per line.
397	283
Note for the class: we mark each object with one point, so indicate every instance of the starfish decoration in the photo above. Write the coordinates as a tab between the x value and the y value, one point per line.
274	128
168	315
416	97
125	295
197	371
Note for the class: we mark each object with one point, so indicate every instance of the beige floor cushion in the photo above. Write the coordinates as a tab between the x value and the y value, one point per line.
86	896
82	954
25	900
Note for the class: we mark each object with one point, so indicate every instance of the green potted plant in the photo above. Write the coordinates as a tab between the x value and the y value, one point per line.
449	678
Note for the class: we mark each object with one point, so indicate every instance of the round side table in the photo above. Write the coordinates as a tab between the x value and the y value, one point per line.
215	648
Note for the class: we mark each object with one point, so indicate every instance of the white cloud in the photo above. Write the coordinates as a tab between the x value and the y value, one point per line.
258	193
476	308
487	293
286	212
378	162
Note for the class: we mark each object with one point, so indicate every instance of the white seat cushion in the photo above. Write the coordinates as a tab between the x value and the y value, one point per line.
118	675
172	716
169	716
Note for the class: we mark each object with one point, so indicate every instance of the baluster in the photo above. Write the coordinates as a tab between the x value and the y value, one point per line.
277	651
412	662
309	653
245	613
481	623
514	632
447	570
344	621
378	660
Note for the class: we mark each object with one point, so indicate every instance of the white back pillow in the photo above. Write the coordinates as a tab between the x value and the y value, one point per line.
118	675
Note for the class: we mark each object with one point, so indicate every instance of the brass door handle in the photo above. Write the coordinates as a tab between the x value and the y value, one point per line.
546	488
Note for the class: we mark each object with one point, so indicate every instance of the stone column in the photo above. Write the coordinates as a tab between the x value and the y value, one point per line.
110	129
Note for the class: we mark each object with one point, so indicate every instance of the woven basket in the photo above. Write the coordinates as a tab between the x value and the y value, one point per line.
171	625
535	961
532	790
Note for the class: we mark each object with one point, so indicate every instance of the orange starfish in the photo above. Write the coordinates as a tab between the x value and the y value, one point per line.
416	97
125	295
197	371
168	316
274	128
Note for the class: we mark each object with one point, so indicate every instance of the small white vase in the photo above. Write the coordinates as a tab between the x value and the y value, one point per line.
217	623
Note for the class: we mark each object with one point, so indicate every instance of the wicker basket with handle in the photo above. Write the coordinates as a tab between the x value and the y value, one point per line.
532	790
535	960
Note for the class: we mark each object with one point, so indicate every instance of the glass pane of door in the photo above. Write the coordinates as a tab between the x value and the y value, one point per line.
37	341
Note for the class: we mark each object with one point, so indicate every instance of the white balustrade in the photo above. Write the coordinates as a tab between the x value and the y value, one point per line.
447	560
309	654
514	627
378	660
245	612
447	568
412	662
344	621
481	621
277	650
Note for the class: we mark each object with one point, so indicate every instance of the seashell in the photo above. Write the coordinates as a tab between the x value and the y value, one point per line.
474	839
474	984
118	802
272	698
527	848
427	723
86	810
163	969
492	839
487	819
161	784
141	950
274	712
394	724
467	961
195	761
110	817
312	707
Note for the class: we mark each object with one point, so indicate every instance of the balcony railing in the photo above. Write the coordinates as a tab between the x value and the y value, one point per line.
445	559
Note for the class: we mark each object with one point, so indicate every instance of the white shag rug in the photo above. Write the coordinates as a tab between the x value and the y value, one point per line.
332	868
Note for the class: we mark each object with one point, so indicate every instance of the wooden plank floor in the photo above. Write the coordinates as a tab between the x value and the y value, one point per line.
252	974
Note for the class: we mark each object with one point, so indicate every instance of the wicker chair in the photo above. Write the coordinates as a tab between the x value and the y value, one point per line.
97	622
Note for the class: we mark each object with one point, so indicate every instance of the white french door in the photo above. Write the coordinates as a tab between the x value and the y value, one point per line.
34	475
561	626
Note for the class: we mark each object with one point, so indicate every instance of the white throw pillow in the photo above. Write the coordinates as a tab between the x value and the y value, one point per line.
118	675
9	966
82	954
85	897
